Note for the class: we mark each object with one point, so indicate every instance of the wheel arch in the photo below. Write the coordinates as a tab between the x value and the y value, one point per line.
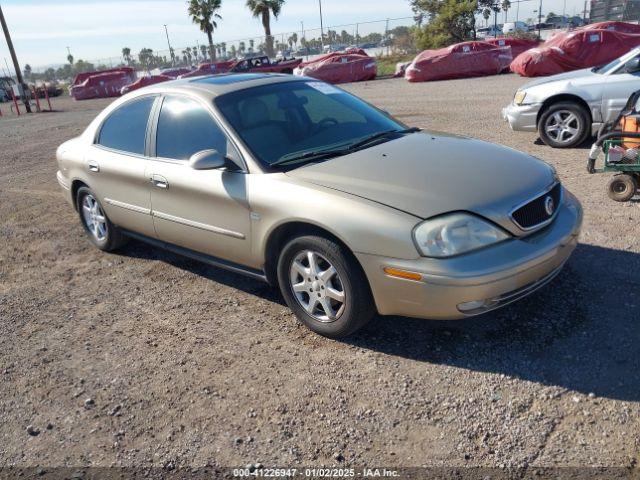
75	186
563	97
281	234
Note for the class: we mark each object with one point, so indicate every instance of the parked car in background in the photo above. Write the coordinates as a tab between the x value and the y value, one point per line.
6	86
144	82
301	184
340	67
175	72
565	109
264	65
513	27
101	85
489	32
209	68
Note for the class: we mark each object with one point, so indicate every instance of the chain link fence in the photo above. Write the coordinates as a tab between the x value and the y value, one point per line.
377	38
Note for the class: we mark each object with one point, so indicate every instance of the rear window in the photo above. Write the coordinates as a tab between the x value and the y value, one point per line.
126	128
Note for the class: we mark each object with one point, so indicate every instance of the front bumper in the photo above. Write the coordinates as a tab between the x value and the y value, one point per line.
497	275
522	118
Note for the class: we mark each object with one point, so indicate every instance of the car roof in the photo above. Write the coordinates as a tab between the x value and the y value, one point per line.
220	84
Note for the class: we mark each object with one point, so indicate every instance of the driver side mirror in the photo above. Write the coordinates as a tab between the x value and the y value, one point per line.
633	65
207	160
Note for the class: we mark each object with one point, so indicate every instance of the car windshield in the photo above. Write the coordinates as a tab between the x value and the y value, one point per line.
303	121
614	64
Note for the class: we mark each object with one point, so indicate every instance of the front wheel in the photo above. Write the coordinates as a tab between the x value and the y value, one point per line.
324	286
564	125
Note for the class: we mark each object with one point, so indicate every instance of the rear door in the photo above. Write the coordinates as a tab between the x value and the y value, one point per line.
202	210
116	165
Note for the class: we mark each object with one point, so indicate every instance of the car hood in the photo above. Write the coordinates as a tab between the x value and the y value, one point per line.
427	174
585	72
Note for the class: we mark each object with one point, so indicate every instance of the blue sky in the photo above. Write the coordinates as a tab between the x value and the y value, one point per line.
97	29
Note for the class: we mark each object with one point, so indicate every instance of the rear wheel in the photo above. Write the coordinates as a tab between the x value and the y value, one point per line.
101	232
622	187
324	286
564	125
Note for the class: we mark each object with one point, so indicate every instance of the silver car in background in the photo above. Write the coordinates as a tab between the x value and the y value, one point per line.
566	109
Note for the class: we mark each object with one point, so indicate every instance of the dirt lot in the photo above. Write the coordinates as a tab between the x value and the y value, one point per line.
144	358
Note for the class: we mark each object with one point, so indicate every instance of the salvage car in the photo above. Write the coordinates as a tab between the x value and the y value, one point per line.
339	67
300	184
144	82
462	60
264	65
567	108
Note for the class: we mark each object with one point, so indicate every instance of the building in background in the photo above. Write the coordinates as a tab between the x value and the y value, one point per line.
603	10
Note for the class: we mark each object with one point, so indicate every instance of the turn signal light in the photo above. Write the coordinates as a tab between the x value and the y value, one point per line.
395	272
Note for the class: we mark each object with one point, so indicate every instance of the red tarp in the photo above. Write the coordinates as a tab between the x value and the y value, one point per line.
144	82
580	48
175	72
518	45
209	69
339	67
101	85
462	60
81	77
622	27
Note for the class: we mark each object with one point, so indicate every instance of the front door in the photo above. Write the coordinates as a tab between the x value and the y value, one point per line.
203	210
618	88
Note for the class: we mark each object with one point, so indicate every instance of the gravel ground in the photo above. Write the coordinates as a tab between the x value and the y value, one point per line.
144	358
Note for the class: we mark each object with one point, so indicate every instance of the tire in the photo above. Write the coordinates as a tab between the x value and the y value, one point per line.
309	300
106	236
573	125
622	187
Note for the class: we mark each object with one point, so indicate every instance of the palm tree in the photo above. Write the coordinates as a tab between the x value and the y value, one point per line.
203	12
126	55
263	9
506	5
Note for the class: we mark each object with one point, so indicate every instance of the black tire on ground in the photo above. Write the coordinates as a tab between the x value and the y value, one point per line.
358	307
113	237
582	123
622	187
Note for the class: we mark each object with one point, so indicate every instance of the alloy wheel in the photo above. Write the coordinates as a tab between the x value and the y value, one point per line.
317	286
94	218
563	126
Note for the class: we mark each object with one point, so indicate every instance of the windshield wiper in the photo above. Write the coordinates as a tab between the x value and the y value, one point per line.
310	155
379	135
321	154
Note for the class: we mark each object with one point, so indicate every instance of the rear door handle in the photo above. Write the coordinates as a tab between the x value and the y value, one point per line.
159	181
94	167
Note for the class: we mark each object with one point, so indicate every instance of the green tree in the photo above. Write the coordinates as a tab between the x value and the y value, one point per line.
263	9
27	71
204	13
452	21
70	59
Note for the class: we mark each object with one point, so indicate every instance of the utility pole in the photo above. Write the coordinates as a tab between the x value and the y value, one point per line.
166	32
16	65
321	27
539	18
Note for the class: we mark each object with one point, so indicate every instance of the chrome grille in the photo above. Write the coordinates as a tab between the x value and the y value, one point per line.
534	213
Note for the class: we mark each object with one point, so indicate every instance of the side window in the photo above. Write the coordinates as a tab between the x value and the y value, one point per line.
185	128
126	128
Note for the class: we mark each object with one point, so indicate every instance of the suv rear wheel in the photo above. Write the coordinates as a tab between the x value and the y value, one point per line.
564	125
324	286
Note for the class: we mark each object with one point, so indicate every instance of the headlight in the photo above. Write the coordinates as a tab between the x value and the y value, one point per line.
519	97
455	233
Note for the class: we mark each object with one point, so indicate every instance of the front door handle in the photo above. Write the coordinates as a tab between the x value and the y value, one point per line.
94	167
159	181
